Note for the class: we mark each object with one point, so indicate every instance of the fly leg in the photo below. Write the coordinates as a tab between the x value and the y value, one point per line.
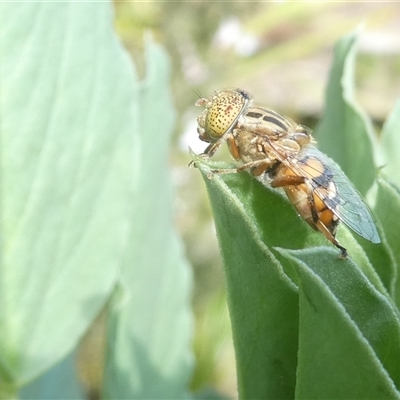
210	150
290	180
257	167
326	232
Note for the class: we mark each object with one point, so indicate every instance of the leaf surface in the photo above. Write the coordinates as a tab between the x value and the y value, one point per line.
349	333
150	326
262	297
345	132
66	147
390	143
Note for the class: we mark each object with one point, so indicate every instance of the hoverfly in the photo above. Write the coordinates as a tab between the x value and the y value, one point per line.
282	154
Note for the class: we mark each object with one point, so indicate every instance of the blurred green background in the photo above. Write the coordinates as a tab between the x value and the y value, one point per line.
281	53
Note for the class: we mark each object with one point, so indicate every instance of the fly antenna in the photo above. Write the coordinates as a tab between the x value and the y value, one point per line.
197	94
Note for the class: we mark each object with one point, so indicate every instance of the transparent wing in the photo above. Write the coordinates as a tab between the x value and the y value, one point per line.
341	197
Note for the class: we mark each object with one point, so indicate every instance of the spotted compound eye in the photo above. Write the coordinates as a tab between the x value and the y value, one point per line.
223	112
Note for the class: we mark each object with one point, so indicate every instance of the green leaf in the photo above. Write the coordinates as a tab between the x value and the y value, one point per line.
381	262
390	144
251	220
150	325
262	299
60	382
66	155
345	132
363	253
387	210
349	336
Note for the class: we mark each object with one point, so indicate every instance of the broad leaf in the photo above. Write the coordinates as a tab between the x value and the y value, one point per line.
347	348
251	220
390	143
60	382
66	154
150	326
262	299
86	202
387	209
345	132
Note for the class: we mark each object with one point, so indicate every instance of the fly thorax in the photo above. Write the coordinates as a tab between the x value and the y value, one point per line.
290	145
